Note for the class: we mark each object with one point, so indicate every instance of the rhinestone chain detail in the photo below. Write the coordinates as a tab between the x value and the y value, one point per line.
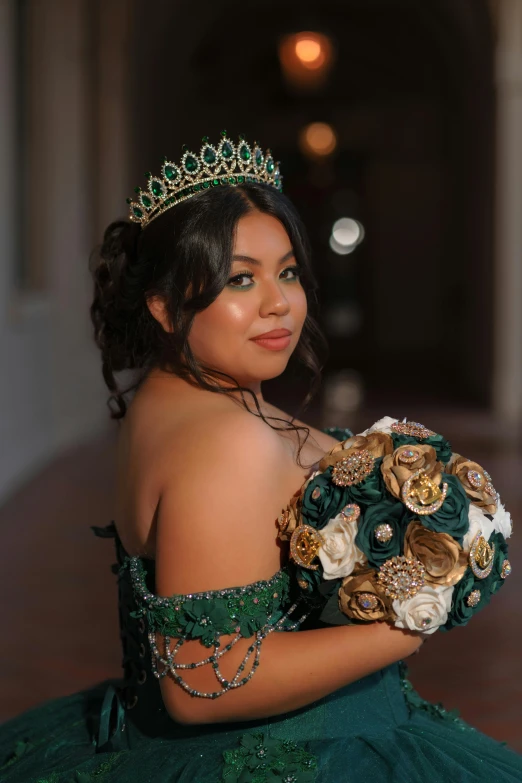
171	666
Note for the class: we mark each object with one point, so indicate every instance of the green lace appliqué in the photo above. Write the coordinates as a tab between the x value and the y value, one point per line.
207	615
96	776
260	759
415	702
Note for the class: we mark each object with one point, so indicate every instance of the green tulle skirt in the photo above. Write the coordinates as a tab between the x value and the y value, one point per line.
376	729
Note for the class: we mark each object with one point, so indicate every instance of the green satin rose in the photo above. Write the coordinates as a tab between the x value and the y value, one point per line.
440	444
460	613
322	500
309	581
452	516
501	553
394	514
370	491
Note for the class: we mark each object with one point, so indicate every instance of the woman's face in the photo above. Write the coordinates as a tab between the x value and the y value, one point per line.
263	293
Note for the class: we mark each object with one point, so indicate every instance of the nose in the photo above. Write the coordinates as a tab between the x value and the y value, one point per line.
273	301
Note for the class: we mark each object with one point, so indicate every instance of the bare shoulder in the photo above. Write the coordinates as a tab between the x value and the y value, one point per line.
219	436
219	504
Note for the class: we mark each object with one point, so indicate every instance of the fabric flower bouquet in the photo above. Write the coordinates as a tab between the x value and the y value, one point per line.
395	527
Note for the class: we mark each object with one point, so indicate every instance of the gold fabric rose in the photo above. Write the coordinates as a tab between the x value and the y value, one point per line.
377	443
396	468
362	598
475	482
288	519
443	558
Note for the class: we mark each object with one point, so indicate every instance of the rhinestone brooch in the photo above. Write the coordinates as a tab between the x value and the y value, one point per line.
506	569
421	495
367	601
353	469
489	489
408	456
481	556
412	428
351	512
401	577
383	533
473	598
476	479
304	545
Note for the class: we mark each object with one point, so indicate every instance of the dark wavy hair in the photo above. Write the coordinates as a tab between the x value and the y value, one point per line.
184	257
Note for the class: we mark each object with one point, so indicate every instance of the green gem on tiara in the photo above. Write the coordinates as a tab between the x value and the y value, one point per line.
209	155
258	158
227	151
157	188
190	163
244	152
146	200
270	165
137	212
170	172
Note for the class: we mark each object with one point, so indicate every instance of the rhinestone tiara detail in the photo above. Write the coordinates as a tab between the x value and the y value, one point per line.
226	164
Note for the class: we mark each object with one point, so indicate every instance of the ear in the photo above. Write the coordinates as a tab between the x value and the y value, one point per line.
158	309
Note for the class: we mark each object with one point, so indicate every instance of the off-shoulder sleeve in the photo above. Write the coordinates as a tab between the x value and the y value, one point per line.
249	611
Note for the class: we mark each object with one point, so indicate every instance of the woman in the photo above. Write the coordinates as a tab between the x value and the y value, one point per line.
206	291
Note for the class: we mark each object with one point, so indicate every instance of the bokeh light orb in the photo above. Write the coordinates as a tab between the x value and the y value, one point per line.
318	140
346	234
346	231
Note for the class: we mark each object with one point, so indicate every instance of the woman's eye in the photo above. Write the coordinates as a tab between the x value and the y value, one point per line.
239	277
295	272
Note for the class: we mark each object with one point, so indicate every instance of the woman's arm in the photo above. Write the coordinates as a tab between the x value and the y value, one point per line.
222	492
295	669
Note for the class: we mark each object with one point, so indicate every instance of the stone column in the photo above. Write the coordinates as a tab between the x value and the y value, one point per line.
507	382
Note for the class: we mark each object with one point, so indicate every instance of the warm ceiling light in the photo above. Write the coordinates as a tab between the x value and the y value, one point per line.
309	51
318	140
306	58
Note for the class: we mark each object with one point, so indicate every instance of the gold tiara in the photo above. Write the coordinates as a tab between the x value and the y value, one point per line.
228	164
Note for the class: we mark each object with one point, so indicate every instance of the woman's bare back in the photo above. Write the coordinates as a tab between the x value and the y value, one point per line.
146	452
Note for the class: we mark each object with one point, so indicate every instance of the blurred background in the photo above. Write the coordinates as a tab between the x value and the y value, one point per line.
398	125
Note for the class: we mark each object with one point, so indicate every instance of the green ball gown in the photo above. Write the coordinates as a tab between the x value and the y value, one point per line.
375	729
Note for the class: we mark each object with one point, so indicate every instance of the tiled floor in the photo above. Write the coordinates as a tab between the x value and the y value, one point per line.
59	616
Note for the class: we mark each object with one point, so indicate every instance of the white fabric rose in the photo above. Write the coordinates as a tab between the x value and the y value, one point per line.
478	522
338	553
502	521
383	425
430	603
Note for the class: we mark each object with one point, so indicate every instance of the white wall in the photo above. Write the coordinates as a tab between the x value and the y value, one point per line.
51	390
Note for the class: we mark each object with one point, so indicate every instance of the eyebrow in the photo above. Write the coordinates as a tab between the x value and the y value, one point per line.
256	262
